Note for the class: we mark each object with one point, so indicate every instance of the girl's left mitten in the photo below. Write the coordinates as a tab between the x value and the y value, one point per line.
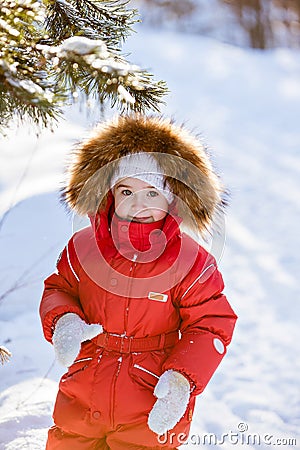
70	331
173	394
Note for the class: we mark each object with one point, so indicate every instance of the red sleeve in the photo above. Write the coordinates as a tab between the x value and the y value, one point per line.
207	323
60	294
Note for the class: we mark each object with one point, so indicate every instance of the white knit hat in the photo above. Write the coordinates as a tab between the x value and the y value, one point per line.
144	167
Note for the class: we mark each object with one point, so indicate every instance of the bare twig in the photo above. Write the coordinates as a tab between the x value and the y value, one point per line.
25	400
18	186
20	282
4	354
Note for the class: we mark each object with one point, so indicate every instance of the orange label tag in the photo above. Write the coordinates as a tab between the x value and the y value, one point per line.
158	297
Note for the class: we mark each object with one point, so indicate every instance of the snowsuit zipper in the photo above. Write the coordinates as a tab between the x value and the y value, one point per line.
131	270
113	391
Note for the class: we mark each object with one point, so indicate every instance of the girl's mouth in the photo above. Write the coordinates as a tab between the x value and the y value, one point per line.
141	219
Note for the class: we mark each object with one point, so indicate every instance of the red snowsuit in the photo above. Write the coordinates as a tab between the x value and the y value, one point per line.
143	291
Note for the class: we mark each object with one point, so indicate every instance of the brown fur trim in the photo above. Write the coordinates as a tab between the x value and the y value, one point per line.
181	156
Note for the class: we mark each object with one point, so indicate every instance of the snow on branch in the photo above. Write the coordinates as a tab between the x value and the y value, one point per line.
54	50
101	71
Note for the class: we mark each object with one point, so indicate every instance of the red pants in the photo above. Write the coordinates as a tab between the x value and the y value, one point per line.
59	440
97	410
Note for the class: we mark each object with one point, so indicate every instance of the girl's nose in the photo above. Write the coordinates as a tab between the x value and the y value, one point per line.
139	200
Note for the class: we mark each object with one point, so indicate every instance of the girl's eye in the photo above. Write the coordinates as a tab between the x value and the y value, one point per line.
126	192
153	194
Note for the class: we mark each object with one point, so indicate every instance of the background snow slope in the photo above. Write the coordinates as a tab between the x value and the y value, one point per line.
246	105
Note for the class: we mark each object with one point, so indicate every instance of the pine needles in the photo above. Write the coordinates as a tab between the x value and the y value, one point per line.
56	50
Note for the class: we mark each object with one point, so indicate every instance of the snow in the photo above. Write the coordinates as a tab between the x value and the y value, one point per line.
245	104
8	28
125	95
83	46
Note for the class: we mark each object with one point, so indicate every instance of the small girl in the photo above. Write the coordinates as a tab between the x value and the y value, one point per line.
135	310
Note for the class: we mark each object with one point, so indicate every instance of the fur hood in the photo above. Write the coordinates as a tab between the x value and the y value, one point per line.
181	156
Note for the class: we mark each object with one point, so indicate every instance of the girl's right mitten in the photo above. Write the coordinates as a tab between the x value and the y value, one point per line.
70	331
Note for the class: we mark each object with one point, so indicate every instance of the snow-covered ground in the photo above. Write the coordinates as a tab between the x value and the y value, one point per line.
246	105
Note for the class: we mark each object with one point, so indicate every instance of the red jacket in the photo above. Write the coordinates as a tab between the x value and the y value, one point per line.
138	281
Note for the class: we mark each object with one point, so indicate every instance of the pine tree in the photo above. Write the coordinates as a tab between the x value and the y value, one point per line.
52	51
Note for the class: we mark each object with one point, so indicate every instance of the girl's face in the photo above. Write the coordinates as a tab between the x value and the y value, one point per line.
136	201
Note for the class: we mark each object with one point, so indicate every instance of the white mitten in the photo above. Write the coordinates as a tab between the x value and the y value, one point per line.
173	393
70	331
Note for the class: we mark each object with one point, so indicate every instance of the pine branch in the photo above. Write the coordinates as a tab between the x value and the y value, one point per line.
106	20
88	66
54	50
26	91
